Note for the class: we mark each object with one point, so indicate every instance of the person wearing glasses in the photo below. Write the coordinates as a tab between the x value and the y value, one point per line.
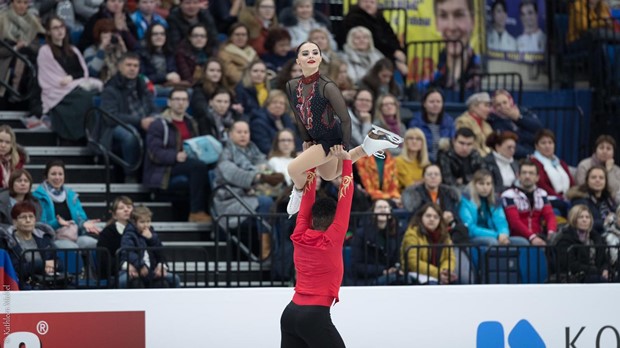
192	53
259	20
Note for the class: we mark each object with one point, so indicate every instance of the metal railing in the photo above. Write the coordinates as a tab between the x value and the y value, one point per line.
97	124
491	82
16	94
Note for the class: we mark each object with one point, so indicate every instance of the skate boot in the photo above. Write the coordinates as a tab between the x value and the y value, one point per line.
379	139
294	202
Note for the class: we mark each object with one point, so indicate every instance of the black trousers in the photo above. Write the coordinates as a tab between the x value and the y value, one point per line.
308	327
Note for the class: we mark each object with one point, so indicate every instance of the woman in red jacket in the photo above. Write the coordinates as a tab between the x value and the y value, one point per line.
318	238
11	156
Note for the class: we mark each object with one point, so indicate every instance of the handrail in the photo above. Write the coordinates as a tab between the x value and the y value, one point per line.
30	66
510	81
95	124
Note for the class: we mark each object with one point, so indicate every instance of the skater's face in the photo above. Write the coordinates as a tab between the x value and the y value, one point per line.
123	212
433	103
214	72
309	56
240	134
430	219
604	152
484	187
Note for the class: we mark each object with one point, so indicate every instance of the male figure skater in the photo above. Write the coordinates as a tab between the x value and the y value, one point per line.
318	238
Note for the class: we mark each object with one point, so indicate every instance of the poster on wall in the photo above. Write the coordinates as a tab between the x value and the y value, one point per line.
515	31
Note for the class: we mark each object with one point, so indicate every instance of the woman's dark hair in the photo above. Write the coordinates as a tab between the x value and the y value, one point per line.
16	174
371	79
498	138
496	3
585	188
429	166
23	207
209	86
274	36
209	48
103	25
416	221
149	42
66	48
605	139
392	223
53	163
221	90
372	98
234	27
425	113
544	133
284	75
305	42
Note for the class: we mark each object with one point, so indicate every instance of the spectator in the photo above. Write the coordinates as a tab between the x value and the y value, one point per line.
253	89
612	235
157	60
24	236
413	159
149	266
339	73
595	195
166	160
533	40
360	112
226	13
84	9
186	15
282	153
322	37
509	117
483	215
108	48
66	89
110	237
146	17
289	70
527	208
459	163
12	155
62	210
236	53
387	115
555	177
457	62
604	150
213	78
498	38
301	19
19	190
219	116
123	25
360	52
242	166
19	29
277	50
431	190
193	52
375	255
437	126
431	259
270	119
378	176
126	97
380	79
579	259
259	20
500	162
368	15
586	15
475	118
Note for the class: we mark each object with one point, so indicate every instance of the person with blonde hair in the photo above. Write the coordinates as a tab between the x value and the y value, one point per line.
11	155
484	215
236	53
273	117
259	19
360	52
578	256
321	37
412	160
387	115
253	89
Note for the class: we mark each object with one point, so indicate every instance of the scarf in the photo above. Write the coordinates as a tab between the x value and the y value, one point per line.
6	165
24	28
392	123
134	102
505	169
120	228
248	53
57	195
560	181
434	238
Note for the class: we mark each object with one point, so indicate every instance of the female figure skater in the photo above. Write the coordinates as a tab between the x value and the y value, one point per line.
323	121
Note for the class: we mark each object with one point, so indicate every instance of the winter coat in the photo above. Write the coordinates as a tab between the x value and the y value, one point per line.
148	69
5	208
298	33
236	60
498	225
357	66
178	26
237	167
132	238
263	126
578	260
446	131
130	36
418	260
187	61
163	143
578	196
545	183
369	177
613	175
382	33
489	163
525	127
415	196
526	220
48	212
466	120
110	239
454	166
373	251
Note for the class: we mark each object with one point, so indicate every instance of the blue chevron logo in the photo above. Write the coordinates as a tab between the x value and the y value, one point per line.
491	335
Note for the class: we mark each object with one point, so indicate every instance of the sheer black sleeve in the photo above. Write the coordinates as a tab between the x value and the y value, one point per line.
292	99
333	94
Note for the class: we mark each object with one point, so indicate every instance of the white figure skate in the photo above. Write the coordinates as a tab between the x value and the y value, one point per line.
379	139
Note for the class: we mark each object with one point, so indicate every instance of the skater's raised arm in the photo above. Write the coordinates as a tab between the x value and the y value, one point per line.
333	94
304	219
339	227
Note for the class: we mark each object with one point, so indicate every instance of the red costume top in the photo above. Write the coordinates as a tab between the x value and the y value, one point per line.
318	254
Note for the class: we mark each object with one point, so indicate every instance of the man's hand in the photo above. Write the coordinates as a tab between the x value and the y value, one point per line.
340	153
160	271
145	123
181	156
144	272
132	271
173	77
448	217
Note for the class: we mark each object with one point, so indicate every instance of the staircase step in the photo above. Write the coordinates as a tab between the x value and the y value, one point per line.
161	210
77	173
15	119
26	137
69	154
96	192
